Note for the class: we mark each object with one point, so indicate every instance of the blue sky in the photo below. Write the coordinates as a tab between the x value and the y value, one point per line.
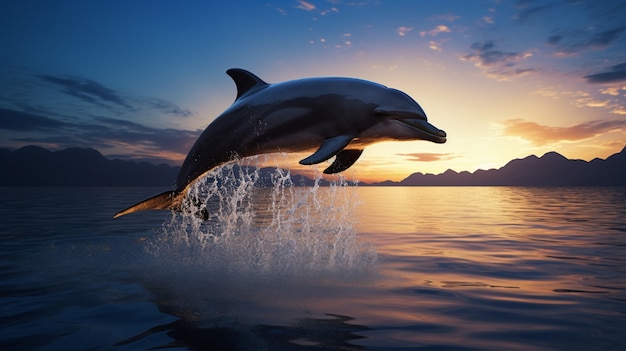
141	79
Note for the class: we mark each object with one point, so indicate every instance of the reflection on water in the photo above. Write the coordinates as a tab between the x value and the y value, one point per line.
500	267
462	268
330	333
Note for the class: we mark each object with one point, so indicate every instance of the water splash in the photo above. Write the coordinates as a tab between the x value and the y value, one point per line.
232	227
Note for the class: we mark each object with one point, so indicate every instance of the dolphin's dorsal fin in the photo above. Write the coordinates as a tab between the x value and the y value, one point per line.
343	161
245	81
329	148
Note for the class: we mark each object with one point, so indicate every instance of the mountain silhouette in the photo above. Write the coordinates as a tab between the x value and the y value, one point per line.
551	169
36	166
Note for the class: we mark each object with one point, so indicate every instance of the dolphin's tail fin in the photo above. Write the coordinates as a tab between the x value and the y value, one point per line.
169	200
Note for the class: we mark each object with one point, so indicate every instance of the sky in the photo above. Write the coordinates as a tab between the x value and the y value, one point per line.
140	80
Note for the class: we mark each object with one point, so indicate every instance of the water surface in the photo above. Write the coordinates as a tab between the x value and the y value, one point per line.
338	268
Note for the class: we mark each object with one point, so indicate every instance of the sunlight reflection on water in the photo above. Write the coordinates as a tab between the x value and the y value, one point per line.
500	263
466	268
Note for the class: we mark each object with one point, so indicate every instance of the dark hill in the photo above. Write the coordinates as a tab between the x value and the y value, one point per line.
36	166
551	169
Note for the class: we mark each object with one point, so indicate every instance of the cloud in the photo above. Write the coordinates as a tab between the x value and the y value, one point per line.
307	6
402	31
97	94
87	90
330	10
541	135
593	103
103	133
487	55
433	45
575	41
551	92
385	68
131	133
90	114
574	25
619	110
447	17
428	157
24	121
435	31
616	73
528	12
613	91
608	99
603	39
166	107
496	63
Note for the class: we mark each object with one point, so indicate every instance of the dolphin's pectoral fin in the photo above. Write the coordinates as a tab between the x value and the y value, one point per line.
329	148
343	161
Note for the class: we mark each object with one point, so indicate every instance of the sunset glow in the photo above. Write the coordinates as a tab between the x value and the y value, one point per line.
141	80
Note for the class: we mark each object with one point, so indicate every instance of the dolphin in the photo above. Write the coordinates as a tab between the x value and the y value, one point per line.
332	116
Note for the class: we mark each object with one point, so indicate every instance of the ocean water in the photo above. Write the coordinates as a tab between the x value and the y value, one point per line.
320	268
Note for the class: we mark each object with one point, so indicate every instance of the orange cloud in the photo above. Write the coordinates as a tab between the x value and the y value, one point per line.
433	45
439	29
613	91
403	30
589	101
307	6
619	110
541	135
427	156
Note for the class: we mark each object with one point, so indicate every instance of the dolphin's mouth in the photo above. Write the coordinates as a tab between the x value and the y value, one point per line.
428	131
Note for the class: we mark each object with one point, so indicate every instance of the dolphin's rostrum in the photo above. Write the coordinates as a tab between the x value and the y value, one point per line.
334	116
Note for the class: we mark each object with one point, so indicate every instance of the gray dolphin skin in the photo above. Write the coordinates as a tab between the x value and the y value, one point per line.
334	117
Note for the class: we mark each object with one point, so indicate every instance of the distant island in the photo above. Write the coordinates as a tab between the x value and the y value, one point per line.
551	169
36	166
